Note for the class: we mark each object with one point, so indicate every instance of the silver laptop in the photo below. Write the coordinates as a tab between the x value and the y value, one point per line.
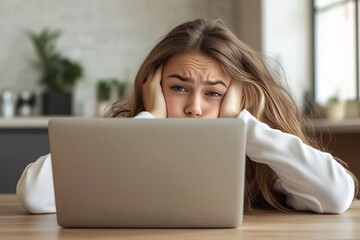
148	173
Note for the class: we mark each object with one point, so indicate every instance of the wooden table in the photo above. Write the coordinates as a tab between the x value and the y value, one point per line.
16	224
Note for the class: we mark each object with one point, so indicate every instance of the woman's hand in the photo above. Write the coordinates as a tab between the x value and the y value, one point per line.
153	97
231	104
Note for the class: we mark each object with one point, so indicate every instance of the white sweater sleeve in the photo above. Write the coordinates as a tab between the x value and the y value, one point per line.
312	180
144	115
35	188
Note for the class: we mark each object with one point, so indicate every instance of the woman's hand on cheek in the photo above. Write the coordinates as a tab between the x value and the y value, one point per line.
153	97
230	106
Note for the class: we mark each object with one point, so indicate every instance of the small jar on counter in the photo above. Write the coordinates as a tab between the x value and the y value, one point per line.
7	104
25	103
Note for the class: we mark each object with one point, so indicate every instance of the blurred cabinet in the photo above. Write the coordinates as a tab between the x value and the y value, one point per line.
345	146
21	142
342	139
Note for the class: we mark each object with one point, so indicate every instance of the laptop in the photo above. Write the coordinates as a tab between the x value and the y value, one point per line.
148	173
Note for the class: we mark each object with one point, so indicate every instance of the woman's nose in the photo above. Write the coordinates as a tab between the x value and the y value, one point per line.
193	107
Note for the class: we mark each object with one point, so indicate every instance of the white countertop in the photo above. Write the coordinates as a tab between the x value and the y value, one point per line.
351	125
335	126
24	122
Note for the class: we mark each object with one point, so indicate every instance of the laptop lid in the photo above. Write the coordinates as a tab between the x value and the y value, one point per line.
148	173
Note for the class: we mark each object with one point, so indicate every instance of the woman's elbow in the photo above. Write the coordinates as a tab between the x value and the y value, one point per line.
35	199
340	198
36	204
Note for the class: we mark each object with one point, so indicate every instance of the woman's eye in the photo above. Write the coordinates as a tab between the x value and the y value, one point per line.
214	94
178	89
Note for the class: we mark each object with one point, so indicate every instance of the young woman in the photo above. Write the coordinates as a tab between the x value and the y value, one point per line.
201	69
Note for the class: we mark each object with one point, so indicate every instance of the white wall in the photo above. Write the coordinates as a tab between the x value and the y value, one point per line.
249	22
109	37
112	37
287	40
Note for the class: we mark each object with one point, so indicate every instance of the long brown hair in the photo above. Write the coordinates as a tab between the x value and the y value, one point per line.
262	95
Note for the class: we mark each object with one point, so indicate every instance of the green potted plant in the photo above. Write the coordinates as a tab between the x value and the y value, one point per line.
59	74
122	89
335	108
108	90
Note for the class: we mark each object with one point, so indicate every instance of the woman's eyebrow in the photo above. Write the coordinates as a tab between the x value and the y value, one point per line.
216	82
188	79
182	78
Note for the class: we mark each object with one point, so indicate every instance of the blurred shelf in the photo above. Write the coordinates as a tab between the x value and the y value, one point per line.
319	125
351	125
24	122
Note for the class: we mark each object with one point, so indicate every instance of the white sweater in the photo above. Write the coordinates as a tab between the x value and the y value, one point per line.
312	180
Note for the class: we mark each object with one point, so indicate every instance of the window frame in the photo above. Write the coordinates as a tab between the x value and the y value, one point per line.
313	45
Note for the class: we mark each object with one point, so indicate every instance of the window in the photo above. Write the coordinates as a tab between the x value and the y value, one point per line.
336	71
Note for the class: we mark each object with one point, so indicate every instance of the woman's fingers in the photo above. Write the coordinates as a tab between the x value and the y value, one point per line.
231	104
153	98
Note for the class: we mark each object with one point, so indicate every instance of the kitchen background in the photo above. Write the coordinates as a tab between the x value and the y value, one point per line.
110	38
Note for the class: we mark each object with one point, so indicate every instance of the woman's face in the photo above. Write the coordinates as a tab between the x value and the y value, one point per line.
194	85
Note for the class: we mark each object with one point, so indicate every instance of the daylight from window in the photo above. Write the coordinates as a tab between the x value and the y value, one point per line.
335	50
